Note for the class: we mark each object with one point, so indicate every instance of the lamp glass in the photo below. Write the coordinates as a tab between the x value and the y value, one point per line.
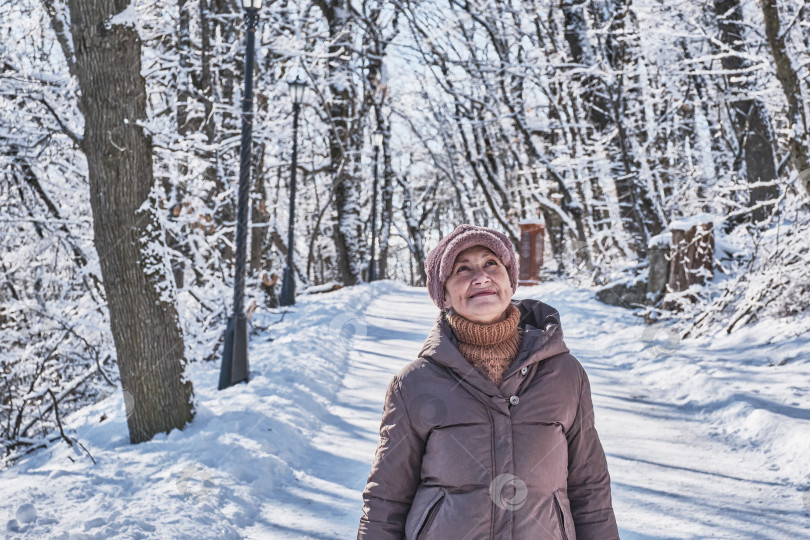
377	138
252	4
297	88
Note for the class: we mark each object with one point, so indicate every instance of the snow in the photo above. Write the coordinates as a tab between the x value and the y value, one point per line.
703	135
320	288
154	252
532	221
723	245
128	17
704	438
662	240
685	223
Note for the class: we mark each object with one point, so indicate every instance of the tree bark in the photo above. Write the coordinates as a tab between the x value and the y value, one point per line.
129	237
259	217
387	215
209	88
205	82
749	117
343	143
374	46
605	106
789	79
414	224
576	35
185	123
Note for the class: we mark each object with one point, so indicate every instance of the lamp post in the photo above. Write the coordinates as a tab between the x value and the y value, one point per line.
376	142
235	354
557	198
297	88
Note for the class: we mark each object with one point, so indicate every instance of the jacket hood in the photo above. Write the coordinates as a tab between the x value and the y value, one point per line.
537	314
542	339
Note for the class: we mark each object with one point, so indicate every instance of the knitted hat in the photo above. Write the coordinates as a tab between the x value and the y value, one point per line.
440	260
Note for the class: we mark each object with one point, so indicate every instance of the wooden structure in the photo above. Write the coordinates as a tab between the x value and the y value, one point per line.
532	241
691	256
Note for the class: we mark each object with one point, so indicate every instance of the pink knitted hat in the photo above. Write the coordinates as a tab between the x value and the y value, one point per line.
440	260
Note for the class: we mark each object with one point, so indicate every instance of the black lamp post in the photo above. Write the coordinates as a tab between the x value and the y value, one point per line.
557	199
235	354
297	88
376	142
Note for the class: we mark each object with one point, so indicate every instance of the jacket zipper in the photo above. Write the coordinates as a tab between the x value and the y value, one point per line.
429	518
492	460
560	517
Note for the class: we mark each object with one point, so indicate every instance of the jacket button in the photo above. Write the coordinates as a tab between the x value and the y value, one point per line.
514	400
524	371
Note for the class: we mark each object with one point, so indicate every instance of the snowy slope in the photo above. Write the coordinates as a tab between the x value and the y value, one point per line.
703	438
219	477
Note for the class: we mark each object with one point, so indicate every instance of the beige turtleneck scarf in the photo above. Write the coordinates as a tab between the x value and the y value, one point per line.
490	348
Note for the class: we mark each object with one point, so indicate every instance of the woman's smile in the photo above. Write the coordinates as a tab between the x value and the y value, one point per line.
487	292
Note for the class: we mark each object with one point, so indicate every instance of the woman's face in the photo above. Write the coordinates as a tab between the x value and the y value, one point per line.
478	288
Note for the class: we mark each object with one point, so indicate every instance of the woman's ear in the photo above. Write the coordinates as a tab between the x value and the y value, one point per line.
447	304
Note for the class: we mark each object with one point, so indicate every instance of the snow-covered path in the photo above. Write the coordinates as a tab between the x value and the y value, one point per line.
671	477
388	336
704	438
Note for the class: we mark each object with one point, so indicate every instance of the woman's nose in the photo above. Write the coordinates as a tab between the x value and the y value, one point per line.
480	275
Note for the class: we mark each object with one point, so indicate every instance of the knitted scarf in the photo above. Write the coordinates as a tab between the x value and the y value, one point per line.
490	348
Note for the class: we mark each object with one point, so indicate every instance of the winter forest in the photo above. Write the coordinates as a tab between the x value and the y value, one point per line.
664	146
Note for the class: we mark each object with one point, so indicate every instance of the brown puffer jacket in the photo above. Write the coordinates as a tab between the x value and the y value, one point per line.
461	458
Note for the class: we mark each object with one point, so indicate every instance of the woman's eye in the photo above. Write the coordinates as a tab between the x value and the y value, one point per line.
460	268
492	261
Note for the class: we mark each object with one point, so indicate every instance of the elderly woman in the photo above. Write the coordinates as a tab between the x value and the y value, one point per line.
490	433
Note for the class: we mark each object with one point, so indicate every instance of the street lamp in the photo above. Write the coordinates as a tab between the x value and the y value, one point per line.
235	352
557	199
297	88
376	142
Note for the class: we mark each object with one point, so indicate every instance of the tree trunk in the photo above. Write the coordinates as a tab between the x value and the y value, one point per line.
175	191
417	244
789	79
207	87
205	82
605	106
748	116
128	234
343	144
374	46
576	35
387	215
259	217
184	51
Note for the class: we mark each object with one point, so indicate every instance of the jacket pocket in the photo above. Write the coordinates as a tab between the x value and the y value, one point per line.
429	515
564	517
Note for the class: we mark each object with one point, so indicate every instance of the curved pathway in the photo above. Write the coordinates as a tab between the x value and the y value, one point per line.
671	477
